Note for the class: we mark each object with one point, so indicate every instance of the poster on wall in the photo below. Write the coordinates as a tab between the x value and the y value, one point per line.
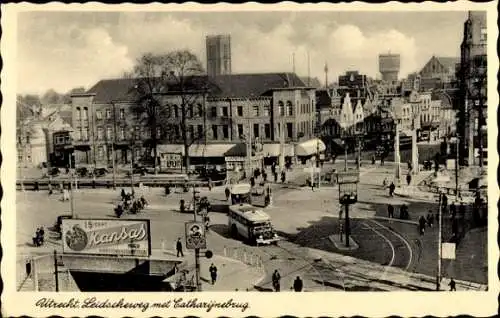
106	237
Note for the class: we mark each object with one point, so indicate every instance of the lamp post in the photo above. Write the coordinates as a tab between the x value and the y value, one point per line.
132	149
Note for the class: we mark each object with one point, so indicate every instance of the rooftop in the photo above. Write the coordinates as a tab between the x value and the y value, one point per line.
229	86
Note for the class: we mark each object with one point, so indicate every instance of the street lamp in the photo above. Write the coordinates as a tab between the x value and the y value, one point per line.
348	194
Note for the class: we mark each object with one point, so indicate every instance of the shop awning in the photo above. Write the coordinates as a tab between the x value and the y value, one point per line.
210	150
170	148
273	150
309	147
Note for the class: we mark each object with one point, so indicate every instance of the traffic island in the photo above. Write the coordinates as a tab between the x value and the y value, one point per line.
340	245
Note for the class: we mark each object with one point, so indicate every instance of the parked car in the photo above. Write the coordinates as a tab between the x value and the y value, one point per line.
82	172
100	172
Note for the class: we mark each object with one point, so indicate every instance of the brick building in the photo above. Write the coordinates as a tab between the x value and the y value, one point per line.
231	109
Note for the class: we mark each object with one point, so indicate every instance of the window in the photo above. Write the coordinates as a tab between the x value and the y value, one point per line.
200	131
240	130
267	131
78	134
191	112
177	131
85	113
122	133
98	115
213	112
224	111
200	110
100	152
85	133
78	113
137	154
214	132
289	129
484	34
289	108
255	130
100	133
137	132
109	133
256	110
240	111
122	113
281	108
108	113
191	131
176	111
266	110
225	131
158	132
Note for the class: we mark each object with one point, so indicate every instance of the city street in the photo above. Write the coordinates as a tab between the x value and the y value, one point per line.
382	243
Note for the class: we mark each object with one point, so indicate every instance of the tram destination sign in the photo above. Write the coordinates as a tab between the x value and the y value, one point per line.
346	177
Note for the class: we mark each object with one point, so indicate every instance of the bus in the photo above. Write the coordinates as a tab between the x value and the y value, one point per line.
259	195
251	223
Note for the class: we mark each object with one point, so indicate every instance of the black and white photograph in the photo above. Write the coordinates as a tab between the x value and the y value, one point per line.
248	151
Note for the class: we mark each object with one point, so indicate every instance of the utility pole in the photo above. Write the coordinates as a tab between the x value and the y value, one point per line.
282	141
359	152
248	169
72	199
196	250
457	167
56	273
113	145
438	278
318	163
347	225
397	158
345	154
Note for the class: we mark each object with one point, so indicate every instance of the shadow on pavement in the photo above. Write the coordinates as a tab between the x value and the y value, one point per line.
221	229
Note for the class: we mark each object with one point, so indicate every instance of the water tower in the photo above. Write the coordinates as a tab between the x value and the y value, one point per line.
389	65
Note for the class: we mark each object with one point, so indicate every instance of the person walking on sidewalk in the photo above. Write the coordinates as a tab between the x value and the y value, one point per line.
452	285
430	219
276	280
408	178
227	192
421	225
390	211
298	284
178	247
392	187
283	176
213	273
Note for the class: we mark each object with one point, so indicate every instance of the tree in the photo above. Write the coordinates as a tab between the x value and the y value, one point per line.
51	97
178	74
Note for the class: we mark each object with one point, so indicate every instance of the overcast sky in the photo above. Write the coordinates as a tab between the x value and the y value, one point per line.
63	50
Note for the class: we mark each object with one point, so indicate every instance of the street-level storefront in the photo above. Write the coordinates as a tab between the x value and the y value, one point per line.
271	153
237	163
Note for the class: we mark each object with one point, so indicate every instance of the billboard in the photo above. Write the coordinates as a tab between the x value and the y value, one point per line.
106	237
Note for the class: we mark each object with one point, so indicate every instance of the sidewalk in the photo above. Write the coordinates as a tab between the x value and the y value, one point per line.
232	274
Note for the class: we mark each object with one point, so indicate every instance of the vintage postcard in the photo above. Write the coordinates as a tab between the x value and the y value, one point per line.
249	160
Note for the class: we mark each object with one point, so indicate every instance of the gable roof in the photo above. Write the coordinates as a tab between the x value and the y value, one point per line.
234	86
448	62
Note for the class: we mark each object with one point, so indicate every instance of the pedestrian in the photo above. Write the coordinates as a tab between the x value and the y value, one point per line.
273	168
276	280
178	247
122	194
403	212
209	184
421	224
408	179
213	273
409	166
392	187
384	184
452	285
264	176
453	210
50	189
227	192
297	284
283	176
430	219
252	182
373	159
390	211
382	159
275	176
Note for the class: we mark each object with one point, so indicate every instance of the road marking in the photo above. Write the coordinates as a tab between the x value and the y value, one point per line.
401	238
392	248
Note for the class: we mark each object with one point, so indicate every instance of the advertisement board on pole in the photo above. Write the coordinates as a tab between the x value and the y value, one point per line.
448	250
106	237
195	235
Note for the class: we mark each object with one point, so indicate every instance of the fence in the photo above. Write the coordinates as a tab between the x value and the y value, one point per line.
37	273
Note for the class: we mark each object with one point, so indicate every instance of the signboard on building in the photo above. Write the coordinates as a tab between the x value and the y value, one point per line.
106	237
169	160
195	235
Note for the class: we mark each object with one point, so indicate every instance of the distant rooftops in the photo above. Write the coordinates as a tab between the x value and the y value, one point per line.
223	86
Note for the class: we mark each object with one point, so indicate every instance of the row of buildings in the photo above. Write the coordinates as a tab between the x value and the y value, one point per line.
273	109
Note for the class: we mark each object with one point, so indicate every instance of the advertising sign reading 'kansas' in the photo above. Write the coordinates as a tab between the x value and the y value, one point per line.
106	237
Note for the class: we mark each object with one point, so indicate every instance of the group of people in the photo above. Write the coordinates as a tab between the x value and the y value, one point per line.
38	239
298	285
128	203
